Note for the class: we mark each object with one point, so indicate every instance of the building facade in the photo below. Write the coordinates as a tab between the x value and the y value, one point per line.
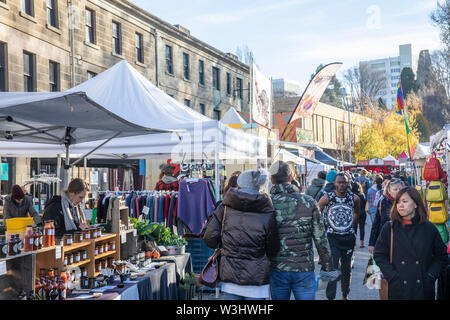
391	68
284	88
328	127
53	45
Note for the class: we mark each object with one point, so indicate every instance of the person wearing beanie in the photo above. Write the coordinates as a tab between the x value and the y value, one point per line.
329	186
248	239
167	181
18	205
299	223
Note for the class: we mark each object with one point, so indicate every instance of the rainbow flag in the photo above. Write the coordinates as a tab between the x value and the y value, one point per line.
400	103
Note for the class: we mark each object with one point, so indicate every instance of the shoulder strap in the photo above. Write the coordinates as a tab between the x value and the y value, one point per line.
392	243
223	219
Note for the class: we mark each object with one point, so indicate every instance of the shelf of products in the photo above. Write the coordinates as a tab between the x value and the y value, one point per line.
75	246
106	254
79	264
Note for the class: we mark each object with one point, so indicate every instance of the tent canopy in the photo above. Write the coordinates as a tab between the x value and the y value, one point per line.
119	100
232	117
326	158
403	155
422	151
287	156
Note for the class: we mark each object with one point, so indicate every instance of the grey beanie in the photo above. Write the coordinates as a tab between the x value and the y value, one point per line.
252	179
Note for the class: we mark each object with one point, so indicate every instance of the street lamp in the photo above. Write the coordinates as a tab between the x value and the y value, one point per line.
347	103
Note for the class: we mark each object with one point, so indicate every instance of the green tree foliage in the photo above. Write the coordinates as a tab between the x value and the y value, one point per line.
408	81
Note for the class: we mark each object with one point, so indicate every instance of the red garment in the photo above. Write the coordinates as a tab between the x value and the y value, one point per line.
406	221
166	209
138	211
161	186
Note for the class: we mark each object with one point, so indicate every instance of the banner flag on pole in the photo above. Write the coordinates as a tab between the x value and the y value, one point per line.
262	98
310	99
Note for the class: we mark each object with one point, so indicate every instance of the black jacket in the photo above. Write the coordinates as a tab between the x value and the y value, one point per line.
53	211
419	256
250	237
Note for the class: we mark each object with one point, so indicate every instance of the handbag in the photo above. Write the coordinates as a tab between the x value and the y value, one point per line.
384	286
210	272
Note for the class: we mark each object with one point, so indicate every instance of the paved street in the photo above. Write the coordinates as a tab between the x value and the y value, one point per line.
357	291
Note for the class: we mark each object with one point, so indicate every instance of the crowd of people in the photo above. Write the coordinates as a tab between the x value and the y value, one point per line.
267	238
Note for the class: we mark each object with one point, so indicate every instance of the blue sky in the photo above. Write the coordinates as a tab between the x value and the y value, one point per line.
290	38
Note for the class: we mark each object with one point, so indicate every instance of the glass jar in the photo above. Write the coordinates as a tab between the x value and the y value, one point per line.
84	282
96	251
106	247
98	266
112	245
83	271
68	239
47	234
69	259
78	237
83	255
3	247
99	232
103	262
66	260
59	241
29	239
86	235
110	262
94	233
77	257
100	249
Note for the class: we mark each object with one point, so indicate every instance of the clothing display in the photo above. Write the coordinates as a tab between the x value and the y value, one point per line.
196	203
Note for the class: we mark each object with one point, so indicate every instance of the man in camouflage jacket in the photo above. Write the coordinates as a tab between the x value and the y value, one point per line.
299	222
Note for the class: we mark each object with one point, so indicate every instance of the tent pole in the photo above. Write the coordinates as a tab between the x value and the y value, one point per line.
96	148
58	173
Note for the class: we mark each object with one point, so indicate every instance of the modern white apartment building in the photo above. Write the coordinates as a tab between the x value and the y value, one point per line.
391	68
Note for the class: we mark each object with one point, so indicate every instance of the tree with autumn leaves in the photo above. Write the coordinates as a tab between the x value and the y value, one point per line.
386	133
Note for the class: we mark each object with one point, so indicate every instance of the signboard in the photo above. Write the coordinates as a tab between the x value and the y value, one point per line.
4	172
304	136
363	163
389	163
376	162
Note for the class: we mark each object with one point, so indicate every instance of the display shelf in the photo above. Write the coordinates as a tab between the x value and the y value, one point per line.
75	246
17	256
78	264
108	236
106	254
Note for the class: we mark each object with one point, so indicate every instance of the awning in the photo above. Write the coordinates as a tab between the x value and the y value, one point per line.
326	158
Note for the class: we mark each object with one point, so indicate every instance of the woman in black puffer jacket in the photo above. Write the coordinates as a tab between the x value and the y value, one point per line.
250	237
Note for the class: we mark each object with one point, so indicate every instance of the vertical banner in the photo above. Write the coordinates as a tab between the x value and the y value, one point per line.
261	98
310	99
4	172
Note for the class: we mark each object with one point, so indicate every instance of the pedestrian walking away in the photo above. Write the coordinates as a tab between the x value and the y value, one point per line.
358	190
317	185
384	209
371	203
299	223
250	238
341	210
418	253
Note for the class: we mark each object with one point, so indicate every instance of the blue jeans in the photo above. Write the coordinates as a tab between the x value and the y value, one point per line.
302	284
230	296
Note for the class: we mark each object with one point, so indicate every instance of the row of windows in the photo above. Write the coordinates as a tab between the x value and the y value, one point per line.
30	72
395	77
395	70
216	112
27	6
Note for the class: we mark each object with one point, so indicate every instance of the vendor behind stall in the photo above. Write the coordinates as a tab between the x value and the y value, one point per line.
65	210
18	205
167	181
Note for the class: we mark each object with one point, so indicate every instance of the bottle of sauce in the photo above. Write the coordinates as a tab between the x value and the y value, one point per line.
54	294
38	288
29	239
3	247
52	233
40	237
12	242
47	234
35	239
62	290
48	289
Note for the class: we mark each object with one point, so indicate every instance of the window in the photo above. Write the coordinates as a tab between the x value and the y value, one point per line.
91	74
201	72
28	7
239	87
28	72
54	76
202	108
3	67
169	61
395	77
395	70
139	48
378	65
216	114
116	35
216	79
90	26
395	63
228	83
187	102
186	65
52	13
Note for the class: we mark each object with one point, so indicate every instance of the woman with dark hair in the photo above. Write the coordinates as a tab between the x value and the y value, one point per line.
358	190
232	184
418	252
18	204
167	182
